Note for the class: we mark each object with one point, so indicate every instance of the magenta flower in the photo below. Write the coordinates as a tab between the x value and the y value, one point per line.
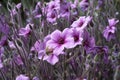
44	52
52	5
52	16
60	40
109	32
25	31
84	4
39	45
22	77
77	36
65	9
88	41
81	23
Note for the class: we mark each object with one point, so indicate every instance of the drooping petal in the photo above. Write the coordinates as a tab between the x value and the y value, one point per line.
53	59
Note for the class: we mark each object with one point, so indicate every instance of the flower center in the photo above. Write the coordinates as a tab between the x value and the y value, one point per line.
53	15
53	6
80	23
61	41
86	43
67	10
76	38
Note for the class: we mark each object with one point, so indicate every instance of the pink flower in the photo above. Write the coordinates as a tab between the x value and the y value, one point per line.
52	16
60	40
109	32
25	31
39	45
65	10
52	5
81	23
77	36
88	42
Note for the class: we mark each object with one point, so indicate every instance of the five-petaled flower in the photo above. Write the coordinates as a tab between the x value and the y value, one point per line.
60	40
82	22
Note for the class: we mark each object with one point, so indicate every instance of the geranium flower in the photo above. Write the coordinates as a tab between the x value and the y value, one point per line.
22	77
88	41
52	5
77	36
84	4
39	45
25	31
65	9
109	32
60	40
52	16
81	23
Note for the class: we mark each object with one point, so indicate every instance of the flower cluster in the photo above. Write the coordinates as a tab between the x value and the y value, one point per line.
59	40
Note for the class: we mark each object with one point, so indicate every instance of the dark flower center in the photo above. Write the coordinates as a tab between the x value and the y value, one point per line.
76	38
67	10
86	6
61	41
52	15
86	43
80	23
53	6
